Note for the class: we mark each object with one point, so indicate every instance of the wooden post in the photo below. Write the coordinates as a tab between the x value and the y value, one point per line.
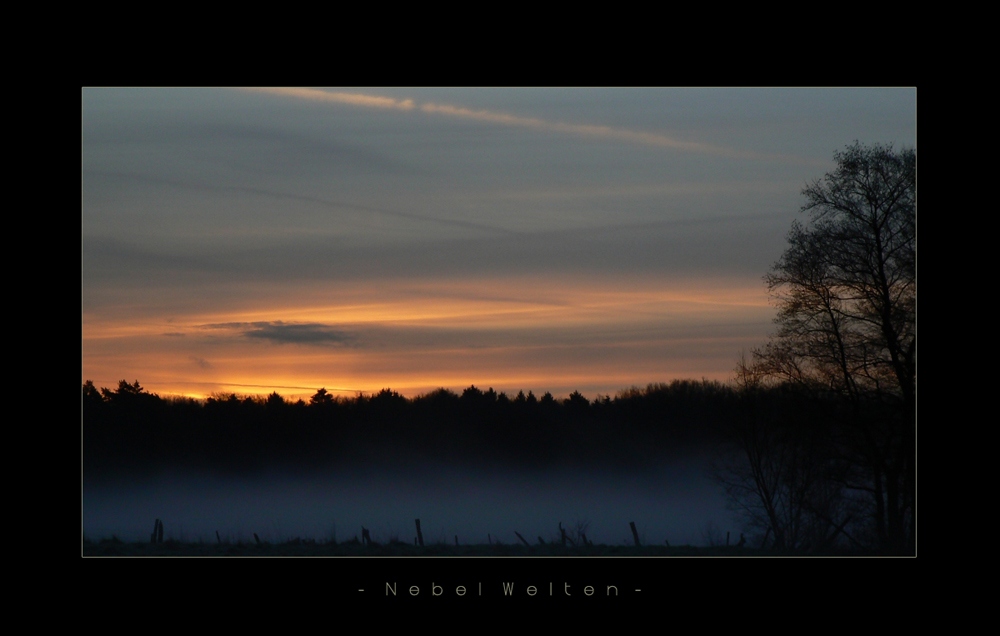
727	538
152	537
159	531
218	537
366	538
256	538
456	539
420	535
523	540
635	533
566	537
489	538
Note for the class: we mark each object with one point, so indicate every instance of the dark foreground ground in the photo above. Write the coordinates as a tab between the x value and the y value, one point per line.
302	548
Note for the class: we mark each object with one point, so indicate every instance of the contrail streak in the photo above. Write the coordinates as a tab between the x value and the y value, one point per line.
468	225
507	119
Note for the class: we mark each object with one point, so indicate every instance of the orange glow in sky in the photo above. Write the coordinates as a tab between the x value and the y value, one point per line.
565	239
413	338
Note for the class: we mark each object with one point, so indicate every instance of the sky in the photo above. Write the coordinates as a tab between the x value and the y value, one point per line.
250	240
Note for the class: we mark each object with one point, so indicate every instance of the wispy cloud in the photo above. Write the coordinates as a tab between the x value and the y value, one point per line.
354	99
584	130
644	138
281	332
335	204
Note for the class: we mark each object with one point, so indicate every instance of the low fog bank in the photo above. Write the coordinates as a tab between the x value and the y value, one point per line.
675	501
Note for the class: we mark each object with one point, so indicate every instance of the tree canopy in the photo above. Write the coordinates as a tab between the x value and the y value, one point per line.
845	290
846	285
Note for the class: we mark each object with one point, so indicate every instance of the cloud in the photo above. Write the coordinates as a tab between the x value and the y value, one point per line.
280	332
331	203
639	137
582	130
201	362
354	99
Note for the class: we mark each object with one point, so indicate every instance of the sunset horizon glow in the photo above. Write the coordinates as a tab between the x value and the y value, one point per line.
284	240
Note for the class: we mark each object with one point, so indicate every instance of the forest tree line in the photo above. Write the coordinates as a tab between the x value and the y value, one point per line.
130	428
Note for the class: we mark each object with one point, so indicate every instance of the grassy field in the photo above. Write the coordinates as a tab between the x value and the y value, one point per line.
307	548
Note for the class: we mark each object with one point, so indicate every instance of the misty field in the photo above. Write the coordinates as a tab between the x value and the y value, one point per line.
308	548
